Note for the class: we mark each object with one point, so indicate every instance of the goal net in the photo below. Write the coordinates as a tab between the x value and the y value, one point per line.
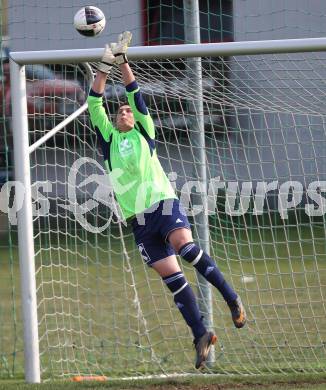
101	311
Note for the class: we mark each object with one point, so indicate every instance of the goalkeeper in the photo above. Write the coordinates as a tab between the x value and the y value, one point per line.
160	226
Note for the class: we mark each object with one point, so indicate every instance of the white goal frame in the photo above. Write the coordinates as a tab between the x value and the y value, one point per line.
22	149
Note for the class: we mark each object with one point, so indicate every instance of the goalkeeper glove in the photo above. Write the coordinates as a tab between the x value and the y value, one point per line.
120	48
107	62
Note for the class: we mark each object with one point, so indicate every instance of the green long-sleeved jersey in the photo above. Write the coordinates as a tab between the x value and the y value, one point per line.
130	157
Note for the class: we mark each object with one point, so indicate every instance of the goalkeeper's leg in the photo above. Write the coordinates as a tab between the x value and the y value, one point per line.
158	254
185	300
181	241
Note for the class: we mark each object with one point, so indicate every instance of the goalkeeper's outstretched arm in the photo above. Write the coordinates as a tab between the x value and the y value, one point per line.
136	101
127	74
99	119
103	69
142	117
99	83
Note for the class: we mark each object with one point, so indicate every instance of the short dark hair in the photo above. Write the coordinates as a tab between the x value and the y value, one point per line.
124	103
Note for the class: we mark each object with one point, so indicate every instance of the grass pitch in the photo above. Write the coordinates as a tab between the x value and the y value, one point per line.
199	383
100	313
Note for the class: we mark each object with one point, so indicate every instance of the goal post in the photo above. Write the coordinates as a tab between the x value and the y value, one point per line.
196	111
25	224
276	265
22	151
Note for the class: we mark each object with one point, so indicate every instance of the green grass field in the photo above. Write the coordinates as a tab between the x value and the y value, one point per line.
93	318
195	383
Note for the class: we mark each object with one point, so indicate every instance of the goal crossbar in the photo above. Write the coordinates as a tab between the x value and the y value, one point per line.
174	51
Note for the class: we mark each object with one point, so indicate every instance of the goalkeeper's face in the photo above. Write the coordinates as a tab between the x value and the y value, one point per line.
125	118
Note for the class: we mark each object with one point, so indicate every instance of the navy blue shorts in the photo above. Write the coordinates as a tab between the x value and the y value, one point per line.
151	229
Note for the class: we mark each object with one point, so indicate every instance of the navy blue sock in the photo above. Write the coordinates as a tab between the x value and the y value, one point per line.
207	267
185	300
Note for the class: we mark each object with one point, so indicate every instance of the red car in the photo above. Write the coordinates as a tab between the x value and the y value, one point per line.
50	98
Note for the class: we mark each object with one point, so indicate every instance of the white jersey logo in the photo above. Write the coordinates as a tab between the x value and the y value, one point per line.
125	148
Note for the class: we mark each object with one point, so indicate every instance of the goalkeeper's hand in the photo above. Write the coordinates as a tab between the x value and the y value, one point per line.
120	48
107	62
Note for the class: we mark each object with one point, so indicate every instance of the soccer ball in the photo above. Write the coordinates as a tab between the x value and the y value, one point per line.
89	21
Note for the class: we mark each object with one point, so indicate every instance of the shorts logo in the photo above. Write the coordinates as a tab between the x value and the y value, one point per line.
143	253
